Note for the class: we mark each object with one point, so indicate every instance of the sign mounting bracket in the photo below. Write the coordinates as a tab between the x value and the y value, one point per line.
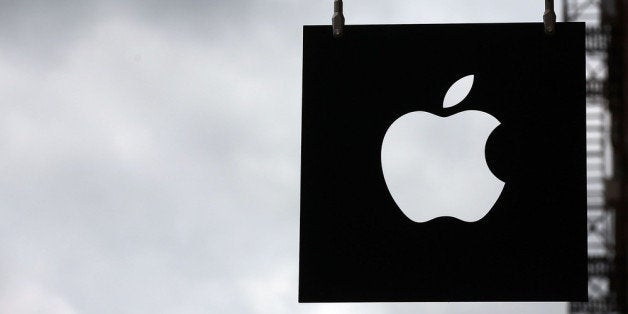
338	19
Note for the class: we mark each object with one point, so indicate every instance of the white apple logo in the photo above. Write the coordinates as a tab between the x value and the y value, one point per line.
435	166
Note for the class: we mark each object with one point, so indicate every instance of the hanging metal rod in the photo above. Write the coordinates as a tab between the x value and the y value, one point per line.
549	17
338	19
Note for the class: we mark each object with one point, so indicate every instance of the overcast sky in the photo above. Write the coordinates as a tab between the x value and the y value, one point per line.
149	152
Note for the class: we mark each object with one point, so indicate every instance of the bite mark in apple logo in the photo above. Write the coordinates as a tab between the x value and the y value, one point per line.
436	166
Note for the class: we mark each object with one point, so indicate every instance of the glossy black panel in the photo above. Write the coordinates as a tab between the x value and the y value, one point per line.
356	245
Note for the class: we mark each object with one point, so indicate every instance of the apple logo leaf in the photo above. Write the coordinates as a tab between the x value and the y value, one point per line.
458	91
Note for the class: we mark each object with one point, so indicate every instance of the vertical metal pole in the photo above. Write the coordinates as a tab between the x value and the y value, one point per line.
338	20
618	103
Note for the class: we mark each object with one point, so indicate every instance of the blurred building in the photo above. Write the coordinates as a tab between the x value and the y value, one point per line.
607	144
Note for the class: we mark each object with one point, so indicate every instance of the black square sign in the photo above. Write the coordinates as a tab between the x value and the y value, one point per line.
443	163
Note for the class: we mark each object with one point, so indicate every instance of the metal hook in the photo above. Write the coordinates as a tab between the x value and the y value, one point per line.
549	17
338	20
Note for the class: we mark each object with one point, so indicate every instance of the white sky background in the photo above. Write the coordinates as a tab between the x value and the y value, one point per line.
149	152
